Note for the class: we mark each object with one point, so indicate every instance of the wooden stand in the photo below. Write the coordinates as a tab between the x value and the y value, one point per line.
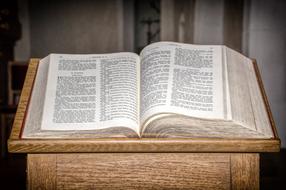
143	171
130	163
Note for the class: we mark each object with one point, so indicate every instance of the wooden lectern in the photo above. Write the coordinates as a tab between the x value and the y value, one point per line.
130	163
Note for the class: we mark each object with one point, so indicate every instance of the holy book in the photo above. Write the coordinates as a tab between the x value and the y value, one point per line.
168	90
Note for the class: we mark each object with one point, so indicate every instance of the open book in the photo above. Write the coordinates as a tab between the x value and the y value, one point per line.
169	90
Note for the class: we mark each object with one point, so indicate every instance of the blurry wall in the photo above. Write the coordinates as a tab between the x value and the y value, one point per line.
256	28
22	50
208	22
70	27
266	41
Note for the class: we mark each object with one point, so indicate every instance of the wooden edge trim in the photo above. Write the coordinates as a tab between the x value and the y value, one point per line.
143	145
266	102
24	99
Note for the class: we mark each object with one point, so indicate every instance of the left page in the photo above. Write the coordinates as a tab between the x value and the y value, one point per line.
91	92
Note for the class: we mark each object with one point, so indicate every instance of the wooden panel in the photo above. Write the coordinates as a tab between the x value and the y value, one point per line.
245	171
41	171
143	171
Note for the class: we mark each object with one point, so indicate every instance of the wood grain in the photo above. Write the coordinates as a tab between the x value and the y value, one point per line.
245	171
41	171
143	171
137	171
142	145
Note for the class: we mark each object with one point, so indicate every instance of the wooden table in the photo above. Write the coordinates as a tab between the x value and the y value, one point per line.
124	163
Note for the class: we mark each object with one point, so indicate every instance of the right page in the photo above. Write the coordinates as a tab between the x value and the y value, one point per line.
183	79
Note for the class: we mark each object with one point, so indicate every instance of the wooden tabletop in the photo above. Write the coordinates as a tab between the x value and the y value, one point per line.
18	145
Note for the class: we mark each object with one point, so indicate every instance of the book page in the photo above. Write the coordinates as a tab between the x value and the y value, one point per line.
262	122
183	79
241	103
88	92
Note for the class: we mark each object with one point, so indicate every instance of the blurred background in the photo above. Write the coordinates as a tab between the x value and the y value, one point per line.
34	29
